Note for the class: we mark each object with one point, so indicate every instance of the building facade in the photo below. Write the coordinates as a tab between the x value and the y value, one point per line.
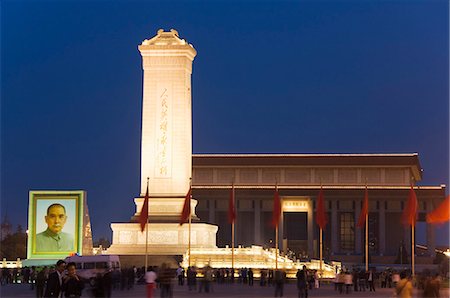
299	177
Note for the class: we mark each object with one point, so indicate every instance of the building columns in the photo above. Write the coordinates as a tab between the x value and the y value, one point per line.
382	231
257	225
334	227
358	231
310	228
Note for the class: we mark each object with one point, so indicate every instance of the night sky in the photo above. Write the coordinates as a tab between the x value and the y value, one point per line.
269	77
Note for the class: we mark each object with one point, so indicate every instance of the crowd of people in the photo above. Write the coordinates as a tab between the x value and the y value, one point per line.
62	280
401	282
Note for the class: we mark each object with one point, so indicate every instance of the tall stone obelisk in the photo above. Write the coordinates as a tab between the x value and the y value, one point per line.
166	156
166	152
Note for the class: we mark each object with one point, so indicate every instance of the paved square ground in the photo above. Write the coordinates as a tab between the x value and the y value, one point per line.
223	290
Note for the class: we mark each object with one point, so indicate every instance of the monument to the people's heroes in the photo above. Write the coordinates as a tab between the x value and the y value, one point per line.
166	153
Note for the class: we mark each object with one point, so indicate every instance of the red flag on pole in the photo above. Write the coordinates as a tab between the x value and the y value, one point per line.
364	211
143	217
409	215
231	208
276	208
186	207
321	217
441	214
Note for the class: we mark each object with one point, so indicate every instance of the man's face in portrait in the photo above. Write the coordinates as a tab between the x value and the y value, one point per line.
56	219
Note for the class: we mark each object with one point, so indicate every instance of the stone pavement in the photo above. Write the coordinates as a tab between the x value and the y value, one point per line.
223	290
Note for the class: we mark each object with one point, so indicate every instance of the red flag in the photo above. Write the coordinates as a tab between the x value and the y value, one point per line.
186	207
441	214
143	217
321	217
364	211
409	215
231	208
276	208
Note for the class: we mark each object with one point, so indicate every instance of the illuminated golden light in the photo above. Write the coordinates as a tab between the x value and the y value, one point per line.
447	252
255	257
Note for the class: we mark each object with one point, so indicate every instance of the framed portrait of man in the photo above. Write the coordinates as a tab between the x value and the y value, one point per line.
55	223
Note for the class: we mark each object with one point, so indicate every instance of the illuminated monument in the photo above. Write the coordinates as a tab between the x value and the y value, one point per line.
166	156
168	161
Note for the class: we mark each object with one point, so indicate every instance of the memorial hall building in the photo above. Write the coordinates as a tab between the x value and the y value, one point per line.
299	177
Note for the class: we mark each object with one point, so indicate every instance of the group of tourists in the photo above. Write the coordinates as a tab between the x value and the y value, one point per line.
62	280
401	282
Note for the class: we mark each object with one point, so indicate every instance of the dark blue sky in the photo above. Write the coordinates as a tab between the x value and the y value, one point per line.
269	77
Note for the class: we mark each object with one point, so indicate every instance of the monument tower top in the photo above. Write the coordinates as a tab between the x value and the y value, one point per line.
166	40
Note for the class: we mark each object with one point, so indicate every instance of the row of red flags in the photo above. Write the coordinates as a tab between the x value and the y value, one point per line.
440	215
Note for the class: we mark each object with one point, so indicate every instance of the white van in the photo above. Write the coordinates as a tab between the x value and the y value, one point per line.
89	266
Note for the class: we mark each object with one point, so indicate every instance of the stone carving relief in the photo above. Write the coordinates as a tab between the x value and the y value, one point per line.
125	237
163	146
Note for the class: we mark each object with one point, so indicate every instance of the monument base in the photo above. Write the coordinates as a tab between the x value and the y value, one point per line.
165	235
163	238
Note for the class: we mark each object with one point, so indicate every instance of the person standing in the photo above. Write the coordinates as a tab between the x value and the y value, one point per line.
348	282
180	275
302	277
72	285
370	280
316	279
55	280
150	280
192	278
431	287
250	277
107	283
279	279
165	280
40	282
404	287
33	275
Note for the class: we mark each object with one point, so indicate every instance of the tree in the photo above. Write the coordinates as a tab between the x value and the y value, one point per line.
14	246
103	241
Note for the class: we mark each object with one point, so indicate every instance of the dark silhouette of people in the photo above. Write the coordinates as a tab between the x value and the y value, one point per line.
55	280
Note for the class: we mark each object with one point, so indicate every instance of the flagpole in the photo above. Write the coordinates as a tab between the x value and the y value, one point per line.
232	236
276	231
320	250
146	245
320	240
367	241
413	223
190	219
232	248
367	230
412	250
146	236
276	247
